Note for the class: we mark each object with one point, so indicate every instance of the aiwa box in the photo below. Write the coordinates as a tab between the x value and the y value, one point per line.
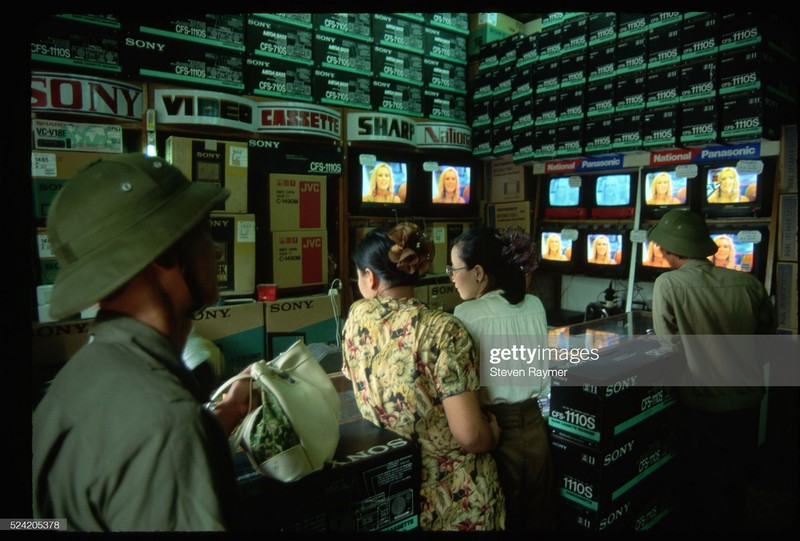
239	332
297	202
236	236
300	258
223	163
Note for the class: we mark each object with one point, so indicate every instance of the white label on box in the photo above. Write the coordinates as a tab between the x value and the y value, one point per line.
44	245
238	157
43	164
439	235
246	231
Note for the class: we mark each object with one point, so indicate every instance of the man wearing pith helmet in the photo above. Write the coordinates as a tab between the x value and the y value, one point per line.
121	441
719	422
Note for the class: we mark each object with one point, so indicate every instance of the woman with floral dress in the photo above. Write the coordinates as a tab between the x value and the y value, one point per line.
414	371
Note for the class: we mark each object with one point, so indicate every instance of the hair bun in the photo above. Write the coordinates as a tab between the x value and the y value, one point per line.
412	250
518	249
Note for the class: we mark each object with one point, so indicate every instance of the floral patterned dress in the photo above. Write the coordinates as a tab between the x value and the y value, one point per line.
404	359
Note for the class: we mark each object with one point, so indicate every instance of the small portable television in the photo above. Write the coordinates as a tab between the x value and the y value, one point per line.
666	188
563	197
451	186
558	247
606	251
740	248
740	189
613	196
382	184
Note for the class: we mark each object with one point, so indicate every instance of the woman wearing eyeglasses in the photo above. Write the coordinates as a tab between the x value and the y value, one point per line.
414	372
490	270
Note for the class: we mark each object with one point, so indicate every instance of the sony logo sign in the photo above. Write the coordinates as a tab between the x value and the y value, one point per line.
290	306
83	94
144	44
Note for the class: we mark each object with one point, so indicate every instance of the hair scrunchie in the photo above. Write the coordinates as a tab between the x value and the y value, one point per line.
412	250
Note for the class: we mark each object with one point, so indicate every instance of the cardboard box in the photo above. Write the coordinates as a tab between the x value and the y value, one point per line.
569	138
443	234
442	105
48	264
397	32
503	215
507	181
238	330
445	75
75	136
660	127
66	44
278	78
61	164
444	296
297	202
225	30
663	46
299	258
344	53
698	122
342	89
283	40
602	27
357	25
698	80
457	22
223	163
663	86
315	318
445	45
595	402
44	192
373	485
397	65
699	36
397	97
236	236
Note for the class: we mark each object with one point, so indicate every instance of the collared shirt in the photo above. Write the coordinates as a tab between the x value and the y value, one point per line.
121	441
492	317
702	299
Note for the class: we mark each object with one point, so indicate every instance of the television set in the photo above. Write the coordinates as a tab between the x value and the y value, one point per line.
666	188
650	262
606	251
613	196
559	248
737	189
563	197
382	183
741	247
451	182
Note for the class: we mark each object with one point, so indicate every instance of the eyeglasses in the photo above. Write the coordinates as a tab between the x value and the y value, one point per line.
451	270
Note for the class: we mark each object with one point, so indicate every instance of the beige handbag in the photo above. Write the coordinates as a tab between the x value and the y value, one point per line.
295	430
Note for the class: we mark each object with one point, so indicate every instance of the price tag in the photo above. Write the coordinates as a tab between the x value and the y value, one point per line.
750	166
749	235
569	234
638	235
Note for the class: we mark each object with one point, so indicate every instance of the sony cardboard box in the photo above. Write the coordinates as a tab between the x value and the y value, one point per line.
48	264
235	234
278	78
357	25
300	258
343	53
445	45
391	30
75	136
280	39
443	234
503	215
315	318
444	296
61	164
223	163
445	75
660	127
297	202
342	89
372	485
75	46
397	97
186	63
698	122
239	332
44	192
443	105
224	30
595	401
397	65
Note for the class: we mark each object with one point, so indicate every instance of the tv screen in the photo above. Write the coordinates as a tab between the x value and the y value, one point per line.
558	247
606	252
613	196
382	183
666	188
651	261
737	189
738	250
451	184
562	197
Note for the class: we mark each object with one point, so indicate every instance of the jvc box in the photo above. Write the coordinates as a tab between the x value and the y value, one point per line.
372	485
297	202
300	258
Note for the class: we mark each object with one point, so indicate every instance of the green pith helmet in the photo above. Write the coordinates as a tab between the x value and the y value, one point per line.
115	217
683	232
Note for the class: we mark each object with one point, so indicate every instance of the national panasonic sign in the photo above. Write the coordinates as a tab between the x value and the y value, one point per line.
583	164
709	154
85	95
